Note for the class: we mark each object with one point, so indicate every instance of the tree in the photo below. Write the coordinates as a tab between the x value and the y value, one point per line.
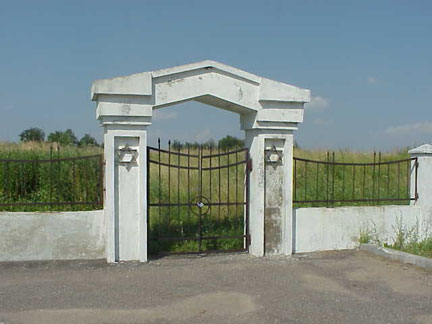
63	138
229	142
32	134
87	140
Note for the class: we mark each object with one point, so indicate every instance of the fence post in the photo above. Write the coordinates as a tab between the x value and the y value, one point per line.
421	185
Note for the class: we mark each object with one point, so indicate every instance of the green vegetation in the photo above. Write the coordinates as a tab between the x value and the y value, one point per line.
63	138
349	184
422	248
408	240
226	143
58	181
32	135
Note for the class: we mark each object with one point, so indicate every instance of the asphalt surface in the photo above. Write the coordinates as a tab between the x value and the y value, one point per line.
332	287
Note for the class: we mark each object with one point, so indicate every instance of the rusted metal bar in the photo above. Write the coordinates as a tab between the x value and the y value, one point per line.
160	190
228	185
333	180
398	181
50	177
373	176
236	186
169	182
178	189
220	195
327	178
306	178
379	175
317	183
295	179
149	218
200	195
416	176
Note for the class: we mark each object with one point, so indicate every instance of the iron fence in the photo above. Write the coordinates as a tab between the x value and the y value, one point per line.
54	184
330	183
197	199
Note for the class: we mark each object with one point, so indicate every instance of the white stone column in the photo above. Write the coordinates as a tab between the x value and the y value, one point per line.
423	154
125	120
126	192
270	209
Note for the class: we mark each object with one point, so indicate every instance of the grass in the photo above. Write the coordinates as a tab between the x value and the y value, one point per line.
406	239
342	185
43	182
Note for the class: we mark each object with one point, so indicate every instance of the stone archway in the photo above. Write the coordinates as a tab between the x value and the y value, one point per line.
269	112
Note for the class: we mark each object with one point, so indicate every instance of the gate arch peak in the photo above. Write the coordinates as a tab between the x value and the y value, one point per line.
261	103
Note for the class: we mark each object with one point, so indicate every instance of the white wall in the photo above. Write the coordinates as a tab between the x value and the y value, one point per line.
321	229
52	236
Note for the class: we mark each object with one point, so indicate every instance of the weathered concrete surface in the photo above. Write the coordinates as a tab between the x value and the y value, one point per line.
321	229
52	236
400	256
333	287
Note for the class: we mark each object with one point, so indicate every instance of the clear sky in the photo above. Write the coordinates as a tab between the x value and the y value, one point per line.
368	63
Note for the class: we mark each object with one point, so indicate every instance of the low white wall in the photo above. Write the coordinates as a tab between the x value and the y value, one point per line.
322	229
52	236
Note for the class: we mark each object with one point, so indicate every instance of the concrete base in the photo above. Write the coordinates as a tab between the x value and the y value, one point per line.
52	236
323	229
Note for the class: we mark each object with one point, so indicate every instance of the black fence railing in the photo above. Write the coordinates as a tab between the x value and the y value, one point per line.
54	184
330	183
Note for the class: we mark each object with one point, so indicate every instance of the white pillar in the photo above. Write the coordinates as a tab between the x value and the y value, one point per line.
125	120
270	209
423	154
126	191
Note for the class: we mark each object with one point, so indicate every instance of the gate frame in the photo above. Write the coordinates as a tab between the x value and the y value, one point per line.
200	158
269	112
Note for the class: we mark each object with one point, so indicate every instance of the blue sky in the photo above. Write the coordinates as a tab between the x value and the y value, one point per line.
368	63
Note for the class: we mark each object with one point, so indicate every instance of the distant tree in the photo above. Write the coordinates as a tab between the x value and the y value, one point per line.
176	145
63	138
87	140
210	144
296	144
229	142
32	134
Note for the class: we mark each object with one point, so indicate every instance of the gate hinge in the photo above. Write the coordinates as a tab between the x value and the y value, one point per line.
249	165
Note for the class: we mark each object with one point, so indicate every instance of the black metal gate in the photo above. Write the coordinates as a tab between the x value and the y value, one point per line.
197	199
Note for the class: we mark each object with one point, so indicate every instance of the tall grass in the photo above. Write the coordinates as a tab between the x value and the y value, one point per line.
332	185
